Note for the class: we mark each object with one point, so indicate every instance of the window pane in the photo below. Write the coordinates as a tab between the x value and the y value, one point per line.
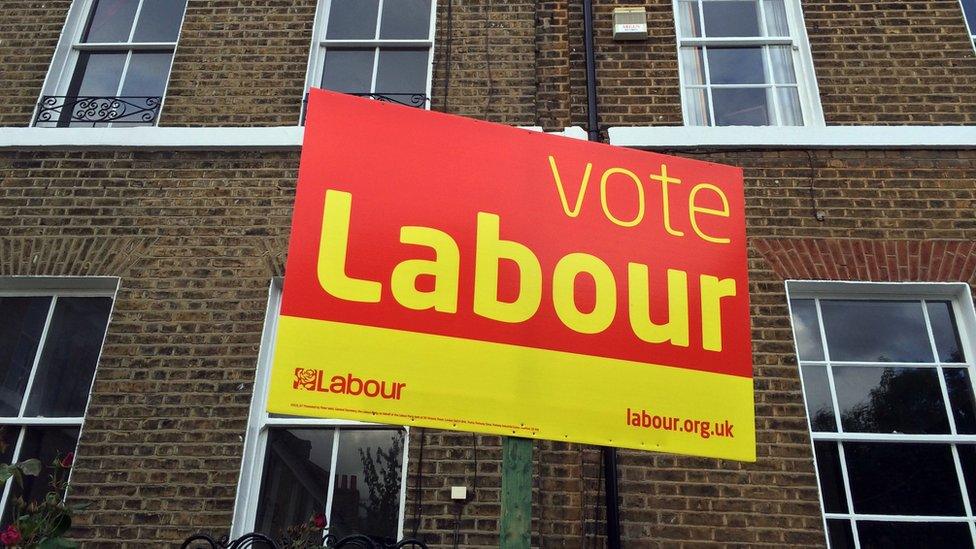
697	107
903	479
147	74
692	66
776	22
961	398
690	23
351	19
741	107
781	59
969	8
21	323
159	21
945	331
876	331
967	458
64	374
807	329
736	66
402	72
296	478
111	21
839	532
97	74
731	18
820	407
831	478
348	70
914	534
368	476
405	19
45	444
788	101
890	400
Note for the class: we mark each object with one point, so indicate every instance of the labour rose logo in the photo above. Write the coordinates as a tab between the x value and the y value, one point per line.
305	378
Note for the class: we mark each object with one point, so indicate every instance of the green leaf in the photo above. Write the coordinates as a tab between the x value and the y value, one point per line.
60	525
6	471
30	466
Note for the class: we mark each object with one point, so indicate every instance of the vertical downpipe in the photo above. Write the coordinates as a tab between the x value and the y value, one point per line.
593	134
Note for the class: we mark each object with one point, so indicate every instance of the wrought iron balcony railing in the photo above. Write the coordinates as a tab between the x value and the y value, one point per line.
261	541
418	100
81	111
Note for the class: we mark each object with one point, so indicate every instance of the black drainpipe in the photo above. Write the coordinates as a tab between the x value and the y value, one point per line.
593	134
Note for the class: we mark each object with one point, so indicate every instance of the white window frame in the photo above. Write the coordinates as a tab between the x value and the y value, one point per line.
62	68
806	78
316	55
960	296
54	287
259	424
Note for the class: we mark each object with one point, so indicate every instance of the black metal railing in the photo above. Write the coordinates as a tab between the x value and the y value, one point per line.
91	110
261	541
418	100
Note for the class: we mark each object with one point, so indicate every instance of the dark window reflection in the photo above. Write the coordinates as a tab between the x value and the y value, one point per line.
405	19
736	66
889	400
807	329
110	21
159	21
67	366
348	70
367	485
295	480
961	398
402	72
903	479
876	331
741	107
820	407
967	458
352	19
831	479
945	331
840	534
21	323
913	534
8	442
45	444
731	18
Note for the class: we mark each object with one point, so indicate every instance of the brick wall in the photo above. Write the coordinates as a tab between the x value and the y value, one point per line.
196	236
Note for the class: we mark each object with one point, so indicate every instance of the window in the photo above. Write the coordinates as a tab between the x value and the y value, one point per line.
113	64
887	373
51	334
375	48
295	468
969	13
745	63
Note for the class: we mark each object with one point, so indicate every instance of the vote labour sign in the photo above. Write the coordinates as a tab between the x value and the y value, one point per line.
451	273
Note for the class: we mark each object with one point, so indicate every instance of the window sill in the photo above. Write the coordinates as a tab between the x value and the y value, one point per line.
803	137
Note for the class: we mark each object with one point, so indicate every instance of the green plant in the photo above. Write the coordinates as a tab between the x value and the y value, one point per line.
39	524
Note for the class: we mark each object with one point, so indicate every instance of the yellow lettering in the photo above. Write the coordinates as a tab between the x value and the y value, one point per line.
695	209
444	268
490	250
676	328
666	204
562	191
640	196
564	293
331	268
712	292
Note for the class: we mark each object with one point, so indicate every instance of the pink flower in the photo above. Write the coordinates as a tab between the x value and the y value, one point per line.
319	520
68	460
10	536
